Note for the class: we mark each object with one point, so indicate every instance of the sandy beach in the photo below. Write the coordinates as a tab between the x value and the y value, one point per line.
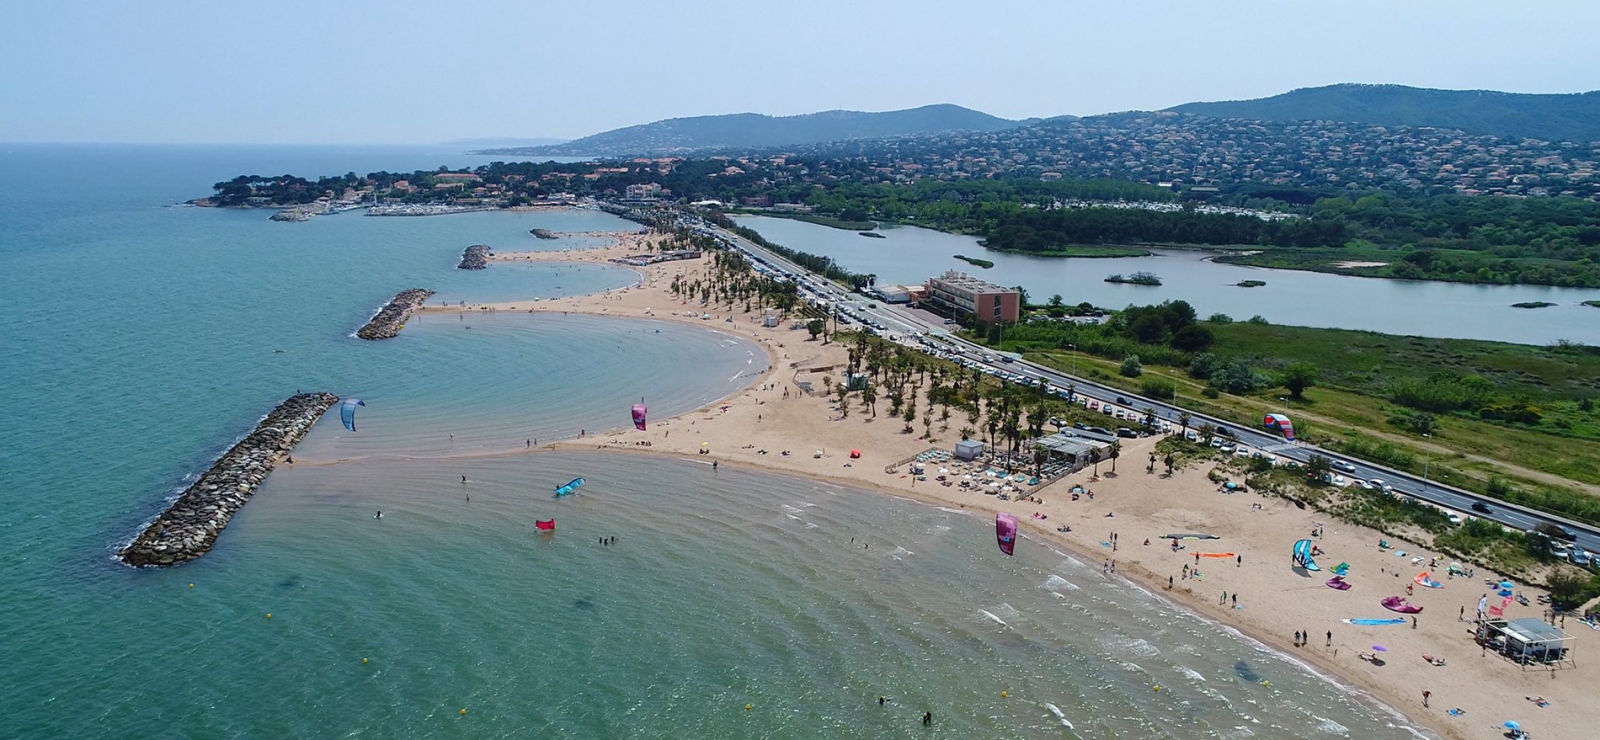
1123	523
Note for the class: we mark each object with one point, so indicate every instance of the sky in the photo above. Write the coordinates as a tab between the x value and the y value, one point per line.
401	72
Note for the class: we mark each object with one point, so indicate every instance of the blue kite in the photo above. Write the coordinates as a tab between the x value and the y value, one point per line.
347	412
570	488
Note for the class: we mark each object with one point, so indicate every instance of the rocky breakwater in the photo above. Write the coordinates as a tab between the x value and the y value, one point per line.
475	257
543	233
390	319
188	528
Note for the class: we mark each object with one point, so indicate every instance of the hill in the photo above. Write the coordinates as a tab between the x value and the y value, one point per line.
1569	117
753	130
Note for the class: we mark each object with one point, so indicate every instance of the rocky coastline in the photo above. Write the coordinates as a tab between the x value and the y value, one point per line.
543	233
475	257
390	319
189	527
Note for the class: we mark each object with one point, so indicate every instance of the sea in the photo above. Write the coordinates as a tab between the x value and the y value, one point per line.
145	337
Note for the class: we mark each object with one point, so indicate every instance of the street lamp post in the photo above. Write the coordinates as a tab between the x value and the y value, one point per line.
1427	457
1074	349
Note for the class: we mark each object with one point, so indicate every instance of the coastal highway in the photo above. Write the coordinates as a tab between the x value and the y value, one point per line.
905	326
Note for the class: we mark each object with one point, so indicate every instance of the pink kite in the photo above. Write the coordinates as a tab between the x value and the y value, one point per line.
1005	532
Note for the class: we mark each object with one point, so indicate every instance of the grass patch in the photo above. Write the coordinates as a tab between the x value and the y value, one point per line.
985	264
1533	304
1592	304
1083	250
828	221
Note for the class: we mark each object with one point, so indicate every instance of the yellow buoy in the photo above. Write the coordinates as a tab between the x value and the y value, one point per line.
1002	695
1158	687
191	585
363	661
747	707
463	712
269	615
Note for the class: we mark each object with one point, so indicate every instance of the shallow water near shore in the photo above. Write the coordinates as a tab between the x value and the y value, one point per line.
149	338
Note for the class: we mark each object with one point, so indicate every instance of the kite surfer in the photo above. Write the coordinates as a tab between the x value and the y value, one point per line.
378	515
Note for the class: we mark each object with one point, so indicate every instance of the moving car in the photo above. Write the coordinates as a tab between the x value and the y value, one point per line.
1342	465
1481	507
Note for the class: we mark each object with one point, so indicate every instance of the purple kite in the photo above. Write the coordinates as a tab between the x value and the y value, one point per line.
639	410
1005	532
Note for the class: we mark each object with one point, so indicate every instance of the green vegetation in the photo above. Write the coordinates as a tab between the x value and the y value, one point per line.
1095	251
812	218
985	264
1592	304
1521	414
1040	230
1533	304
1138	278
1251	283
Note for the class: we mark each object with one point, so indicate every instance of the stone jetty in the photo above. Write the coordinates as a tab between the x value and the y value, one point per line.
543	233
476	257
390	319
188	528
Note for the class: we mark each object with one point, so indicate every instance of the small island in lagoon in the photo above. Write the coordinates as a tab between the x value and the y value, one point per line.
985	264
1592	304
1533	304
1251	283
1138	278
873	234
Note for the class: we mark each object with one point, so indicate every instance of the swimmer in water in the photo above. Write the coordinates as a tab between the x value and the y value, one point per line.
463	479
378	515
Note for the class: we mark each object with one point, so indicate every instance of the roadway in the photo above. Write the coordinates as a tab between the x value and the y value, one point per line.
905	326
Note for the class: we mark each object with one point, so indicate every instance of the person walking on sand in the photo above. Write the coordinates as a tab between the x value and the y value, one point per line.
1238	561
1425	695
1330	639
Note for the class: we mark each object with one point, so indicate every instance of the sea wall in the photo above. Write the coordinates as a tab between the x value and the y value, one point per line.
475	257
189	527
390	319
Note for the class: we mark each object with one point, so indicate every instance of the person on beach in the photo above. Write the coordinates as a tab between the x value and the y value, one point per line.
1238	561
1297	638
1330	639
927	718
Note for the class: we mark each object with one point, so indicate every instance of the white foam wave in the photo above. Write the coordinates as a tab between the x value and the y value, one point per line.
1057	712
1057	583
991	615
1191	673
1329	726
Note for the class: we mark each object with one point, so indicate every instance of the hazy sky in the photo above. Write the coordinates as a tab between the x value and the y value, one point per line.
400	71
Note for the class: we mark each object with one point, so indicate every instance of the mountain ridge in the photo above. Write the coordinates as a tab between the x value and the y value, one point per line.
1547	116
755	130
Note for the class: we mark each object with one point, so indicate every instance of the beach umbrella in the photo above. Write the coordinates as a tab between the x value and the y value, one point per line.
1379	649
1511	724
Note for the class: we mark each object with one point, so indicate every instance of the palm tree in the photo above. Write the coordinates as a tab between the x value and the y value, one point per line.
967	432
1094	457
1115	452
994	424
1149	417
1183	418
843	394
869	396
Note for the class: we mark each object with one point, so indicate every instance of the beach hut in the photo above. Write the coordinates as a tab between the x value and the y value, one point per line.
968	449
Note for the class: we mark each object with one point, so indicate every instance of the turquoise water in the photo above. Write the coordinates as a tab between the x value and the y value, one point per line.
144	339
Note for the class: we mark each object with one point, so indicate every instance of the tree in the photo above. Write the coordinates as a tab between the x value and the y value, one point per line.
1131	367
1056	301
1300	376
1115	452
816	327
967	432
1184	418
869	397
1193	338
843	394
1094	457
1567	585
1318	466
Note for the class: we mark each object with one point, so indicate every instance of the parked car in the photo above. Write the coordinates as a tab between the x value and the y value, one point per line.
1192	435
1216	441
1227	447
1126	433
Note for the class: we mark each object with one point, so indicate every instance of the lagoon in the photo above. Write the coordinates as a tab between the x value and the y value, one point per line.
909	254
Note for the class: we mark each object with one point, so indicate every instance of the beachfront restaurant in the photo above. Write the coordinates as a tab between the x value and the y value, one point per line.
1069	452
1529	641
